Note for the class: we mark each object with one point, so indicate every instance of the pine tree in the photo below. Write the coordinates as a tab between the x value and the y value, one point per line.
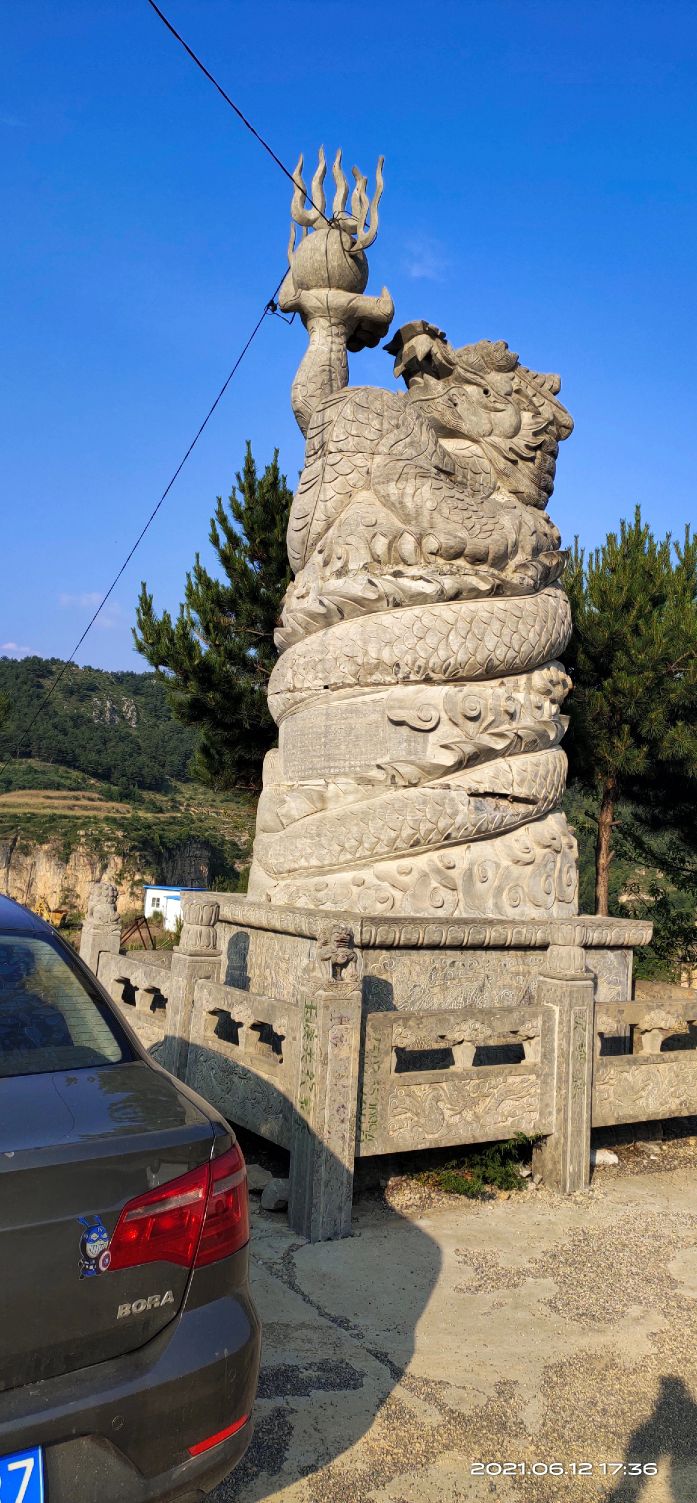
633	659
218	654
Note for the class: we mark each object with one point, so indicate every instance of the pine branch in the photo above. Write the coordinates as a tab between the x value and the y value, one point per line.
218	677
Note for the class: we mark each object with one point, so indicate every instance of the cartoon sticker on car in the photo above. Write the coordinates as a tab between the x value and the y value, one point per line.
94	1247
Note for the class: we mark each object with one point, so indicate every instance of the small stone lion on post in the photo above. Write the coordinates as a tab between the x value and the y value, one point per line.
337	954
101	903
101	931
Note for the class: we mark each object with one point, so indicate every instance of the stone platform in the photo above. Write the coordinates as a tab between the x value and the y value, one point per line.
347	1037
418	964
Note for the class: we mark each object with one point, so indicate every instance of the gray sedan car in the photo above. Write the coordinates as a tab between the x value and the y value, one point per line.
129	1343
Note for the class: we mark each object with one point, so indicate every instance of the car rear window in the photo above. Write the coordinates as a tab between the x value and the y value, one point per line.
51	1018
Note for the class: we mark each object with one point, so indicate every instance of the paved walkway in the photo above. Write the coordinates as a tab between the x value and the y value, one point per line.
535	1329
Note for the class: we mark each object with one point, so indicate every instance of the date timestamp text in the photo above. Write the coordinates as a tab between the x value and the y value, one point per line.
563	1468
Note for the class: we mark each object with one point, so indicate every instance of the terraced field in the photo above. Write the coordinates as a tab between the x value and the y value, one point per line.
62	801
56	840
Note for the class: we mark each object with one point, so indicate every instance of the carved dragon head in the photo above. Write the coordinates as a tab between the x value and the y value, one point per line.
479	397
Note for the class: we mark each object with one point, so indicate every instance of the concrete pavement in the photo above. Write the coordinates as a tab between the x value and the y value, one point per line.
536	1329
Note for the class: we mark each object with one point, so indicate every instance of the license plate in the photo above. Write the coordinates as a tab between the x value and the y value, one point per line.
22	1477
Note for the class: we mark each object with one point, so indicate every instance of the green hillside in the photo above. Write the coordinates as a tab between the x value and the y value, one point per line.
116	727
102	777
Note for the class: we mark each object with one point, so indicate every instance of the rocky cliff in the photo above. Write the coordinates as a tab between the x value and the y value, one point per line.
30	872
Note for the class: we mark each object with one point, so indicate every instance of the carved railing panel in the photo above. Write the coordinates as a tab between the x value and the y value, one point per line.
659	1078
139	985
243	1056
407	1103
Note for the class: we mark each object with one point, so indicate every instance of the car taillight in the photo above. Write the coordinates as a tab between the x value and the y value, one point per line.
226	1222
194	1219
164	1225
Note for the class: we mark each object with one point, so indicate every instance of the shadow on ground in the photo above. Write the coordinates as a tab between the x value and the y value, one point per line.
667	1438
322	1306
546	1326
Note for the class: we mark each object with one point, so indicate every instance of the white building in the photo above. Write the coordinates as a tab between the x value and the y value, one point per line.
166	901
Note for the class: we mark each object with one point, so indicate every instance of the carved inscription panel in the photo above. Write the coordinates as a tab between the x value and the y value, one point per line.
430	979
327	740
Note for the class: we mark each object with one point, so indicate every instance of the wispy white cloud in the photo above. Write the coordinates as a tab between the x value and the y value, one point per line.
88	600
14	650
426	259
13	121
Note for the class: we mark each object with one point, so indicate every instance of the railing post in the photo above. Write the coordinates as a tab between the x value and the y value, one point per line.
195	958
101	931
323	1140
566	990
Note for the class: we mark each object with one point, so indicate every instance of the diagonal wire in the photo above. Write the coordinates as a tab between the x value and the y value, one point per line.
269	307
232	104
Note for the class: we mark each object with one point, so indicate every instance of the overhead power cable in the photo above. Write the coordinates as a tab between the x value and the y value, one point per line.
231	103
269	307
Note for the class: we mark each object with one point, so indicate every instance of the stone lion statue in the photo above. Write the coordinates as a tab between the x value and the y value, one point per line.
337	953
101	903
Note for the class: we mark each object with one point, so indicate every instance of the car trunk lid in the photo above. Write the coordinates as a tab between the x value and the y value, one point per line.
75	1147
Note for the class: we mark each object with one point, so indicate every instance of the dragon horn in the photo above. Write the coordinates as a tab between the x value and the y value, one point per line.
341	194
359	200
298	213
317	190
366	237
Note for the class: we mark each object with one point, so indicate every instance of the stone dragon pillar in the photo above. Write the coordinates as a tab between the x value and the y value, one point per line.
418	691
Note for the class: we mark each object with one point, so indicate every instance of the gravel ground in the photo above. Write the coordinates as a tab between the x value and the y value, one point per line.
446	1332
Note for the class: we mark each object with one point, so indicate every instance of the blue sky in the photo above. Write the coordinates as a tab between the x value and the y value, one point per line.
540	187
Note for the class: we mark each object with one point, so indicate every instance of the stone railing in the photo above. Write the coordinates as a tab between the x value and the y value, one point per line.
443	1078
338	1043
658	1078
139	982
243	1053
